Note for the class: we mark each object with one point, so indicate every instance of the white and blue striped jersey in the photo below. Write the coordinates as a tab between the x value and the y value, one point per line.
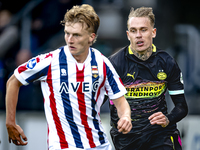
73	95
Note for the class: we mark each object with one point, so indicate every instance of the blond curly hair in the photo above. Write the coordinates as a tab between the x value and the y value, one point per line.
84	14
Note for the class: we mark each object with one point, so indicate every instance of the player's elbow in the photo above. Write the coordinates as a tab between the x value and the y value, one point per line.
9	82
186	109
183	109
13	81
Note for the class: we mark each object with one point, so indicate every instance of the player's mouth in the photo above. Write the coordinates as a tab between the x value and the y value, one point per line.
72	47
140	43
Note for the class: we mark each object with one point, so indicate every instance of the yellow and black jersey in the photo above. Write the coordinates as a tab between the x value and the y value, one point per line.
146	83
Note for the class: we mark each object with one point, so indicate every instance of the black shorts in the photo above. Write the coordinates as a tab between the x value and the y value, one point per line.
147	141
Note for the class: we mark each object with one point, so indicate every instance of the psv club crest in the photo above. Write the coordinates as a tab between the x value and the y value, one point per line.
161	75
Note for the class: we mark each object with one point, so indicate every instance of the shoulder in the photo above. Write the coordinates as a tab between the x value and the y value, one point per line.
48	57
165	56
99	55
166	61
118	54
55	53
52	53
118	57
96	51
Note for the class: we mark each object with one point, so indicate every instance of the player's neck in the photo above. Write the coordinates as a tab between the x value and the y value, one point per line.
82	57
144	55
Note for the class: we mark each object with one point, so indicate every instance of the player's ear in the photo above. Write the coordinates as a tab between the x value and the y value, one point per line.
92	37
154	33
127	33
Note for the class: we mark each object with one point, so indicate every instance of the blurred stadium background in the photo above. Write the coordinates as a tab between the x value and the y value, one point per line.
29	28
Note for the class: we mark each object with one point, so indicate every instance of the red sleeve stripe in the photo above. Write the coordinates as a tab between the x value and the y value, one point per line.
22	68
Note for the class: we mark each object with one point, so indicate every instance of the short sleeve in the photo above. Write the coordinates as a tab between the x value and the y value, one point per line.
175	78
113	83
34	69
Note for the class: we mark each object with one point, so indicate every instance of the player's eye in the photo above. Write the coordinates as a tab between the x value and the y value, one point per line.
133	31
67	33
143	30
76	35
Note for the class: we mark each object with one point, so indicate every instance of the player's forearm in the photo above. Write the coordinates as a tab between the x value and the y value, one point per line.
123	108
180	110
12	90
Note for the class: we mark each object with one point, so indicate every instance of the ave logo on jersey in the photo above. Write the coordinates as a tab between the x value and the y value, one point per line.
73	87
31	63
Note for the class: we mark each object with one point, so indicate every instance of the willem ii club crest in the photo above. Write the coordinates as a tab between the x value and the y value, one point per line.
95	71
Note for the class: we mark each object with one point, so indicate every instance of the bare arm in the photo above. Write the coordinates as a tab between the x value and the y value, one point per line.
14	131
124	113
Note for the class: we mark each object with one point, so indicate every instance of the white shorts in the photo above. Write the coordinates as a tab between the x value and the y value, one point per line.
105	146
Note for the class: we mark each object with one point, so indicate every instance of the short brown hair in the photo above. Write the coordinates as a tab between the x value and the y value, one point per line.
83	14
142	12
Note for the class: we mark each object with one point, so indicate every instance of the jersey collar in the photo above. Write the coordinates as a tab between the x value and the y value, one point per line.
130	51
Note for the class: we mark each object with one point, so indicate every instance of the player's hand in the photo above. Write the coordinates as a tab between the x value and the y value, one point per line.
124	124
16	135
159	118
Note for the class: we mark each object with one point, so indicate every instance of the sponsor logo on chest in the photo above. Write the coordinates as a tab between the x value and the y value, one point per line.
74	86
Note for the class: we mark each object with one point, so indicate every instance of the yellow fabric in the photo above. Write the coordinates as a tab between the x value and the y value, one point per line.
130	51
172	139
154	48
